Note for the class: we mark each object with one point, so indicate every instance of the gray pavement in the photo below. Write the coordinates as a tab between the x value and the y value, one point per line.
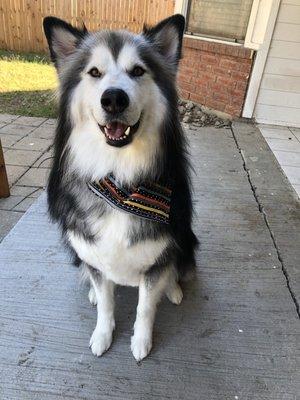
26	143
236	334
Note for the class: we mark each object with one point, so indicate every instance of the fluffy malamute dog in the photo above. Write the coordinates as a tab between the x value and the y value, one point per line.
119	185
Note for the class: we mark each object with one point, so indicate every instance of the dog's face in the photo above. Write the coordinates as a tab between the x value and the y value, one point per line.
119	80
117	89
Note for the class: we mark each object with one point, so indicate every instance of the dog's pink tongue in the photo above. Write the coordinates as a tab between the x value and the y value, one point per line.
116	129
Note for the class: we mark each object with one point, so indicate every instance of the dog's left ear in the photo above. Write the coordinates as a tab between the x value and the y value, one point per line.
167	37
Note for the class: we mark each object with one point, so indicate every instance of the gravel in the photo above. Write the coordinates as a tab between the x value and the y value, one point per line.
192	113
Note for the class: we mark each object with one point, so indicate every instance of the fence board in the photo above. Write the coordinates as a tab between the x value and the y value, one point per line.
21	20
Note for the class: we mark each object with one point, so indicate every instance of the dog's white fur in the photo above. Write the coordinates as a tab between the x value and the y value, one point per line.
88	143
141	341
118	261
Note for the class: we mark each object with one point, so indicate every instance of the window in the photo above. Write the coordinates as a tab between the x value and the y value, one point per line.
242	22
220	19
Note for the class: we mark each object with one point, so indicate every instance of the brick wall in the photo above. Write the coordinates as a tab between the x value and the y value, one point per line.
215	75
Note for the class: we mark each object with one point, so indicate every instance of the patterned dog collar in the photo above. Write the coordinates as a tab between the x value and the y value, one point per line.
150	201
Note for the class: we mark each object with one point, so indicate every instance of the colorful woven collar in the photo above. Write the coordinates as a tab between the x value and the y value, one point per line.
150	201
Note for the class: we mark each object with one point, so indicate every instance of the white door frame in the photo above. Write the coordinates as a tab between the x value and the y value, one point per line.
259	64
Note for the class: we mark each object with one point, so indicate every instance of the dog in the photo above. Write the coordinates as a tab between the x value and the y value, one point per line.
119	186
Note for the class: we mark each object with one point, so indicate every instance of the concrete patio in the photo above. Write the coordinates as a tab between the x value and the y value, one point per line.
26	143
236	334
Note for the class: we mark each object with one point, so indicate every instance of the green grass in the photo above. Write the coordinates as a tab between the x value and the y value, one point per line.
27	83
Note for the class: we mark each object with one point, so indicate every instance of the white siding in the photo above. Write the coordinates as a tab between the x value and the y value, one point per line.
289	14
282	49
278	100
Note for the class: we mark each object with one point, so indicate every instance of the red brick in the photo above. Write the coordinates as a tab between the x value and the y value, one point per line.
222	72
244	53
236	100
215	74
187	86
247	61
209	58
199	45
198	98
192	57
197	81
241	76
215	104
185	77
208	67
224	97
227	49
236	93
194	43
233	110
202	67
201	90
188	69
227	81
184	94
216	87
230	64
228	57
245	68
241	85
204	77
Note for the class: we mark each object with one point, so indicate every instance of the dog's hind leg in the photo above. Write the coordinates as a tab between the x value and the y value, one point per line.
104	295
174	292
150	293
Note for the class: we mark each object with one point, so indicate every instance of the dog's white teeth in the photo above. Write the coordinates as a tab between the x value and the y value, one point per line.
127	131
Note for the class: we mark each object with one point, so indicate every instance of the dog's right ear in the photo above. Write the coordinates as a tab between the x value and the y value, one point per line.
62	38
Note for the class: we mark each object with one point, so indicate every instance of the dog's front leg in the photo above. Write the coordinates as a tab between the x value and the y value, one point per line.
104	291
150	293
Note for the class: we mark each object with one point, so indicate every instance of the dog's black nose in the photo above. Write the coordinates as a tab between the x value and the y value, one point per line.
114	101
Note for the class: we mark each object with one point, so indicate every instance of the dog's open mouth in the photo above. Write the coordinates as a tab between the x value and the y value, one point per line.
118	134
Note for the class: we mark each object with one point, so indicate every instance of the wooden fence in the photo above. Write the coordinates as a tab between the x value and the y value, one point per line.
21	20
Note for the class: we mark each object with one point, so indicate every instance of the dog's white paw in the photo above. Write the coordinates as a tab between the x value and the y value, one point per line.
92	296
175	294
100	342
140	346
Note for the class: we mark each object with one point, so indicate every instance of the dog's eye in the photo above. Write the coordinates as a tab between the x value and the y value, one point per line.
137	71
95	73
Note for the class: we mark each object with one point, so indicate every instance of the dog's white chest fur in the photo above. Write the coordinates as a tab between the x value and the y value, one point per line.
112	252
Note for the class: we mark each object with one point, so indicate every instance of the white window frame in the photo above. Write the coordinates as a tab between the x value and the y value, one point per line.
257	24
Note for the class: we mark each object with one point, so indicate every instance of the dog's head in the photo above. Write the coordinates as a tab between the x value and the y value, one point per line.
118	80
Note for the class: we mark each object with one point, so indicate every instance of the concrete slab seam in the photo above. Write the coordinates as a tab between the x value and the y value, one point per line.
264	214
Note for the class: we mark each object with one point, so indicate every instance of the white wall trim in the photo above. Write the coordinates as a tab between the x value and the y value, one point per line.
251	25
207	39
258	23
181	7
259	64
